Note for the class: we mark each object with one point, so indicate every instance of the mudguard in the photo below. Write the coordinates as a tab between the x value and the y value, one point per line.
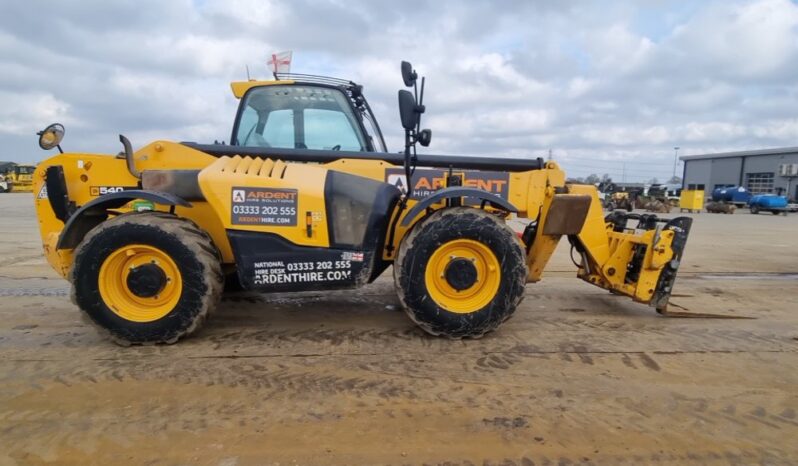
456	192
95	212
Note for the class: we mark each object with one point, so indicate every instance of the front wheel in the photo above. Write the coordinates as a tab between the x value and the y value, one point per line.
754	209
146	277
460	273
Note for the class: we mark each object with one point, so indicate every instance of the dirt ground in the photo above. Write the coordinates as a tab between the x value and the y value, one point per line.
578	376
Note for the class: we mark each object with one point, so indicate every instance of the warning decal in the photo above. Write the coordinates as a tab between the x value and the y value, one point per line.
264	206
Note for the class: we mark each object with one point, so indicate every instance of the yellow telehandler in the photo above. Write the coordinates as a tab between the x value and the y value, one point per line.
17	179
306	197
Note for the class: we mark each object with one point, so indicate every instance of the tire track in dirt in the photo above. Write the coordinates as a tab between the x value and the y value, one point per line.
238	393
390	333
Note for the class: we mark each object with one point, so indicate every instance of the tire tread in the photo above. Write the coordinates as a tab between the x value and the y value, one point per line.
408	243
198	241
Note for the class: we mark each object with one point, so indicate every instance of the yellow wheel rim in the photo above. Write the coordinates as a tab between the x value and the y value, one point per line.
480	293
114	290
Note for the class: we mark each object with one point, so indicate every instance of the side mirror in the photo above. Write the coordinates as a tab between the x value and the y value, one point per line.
407	110
408	75
425	137
51	136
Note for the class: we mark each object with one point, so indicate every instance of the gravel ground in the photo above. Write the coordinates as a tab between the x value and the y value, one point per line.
578	376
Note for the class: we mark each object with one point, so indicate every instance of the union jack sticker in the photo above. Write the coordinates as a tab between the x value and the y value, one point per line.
352	256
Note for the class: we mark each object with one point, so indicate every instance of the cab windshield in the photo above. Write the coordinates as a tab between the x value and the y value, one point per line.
298	117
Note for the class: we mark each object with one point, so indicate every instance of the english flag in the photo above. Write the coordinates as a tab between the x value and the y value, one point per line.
281	62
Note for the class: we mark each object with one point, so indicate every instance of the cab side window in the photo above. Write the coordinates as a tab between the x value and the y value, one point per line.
329	129
246	126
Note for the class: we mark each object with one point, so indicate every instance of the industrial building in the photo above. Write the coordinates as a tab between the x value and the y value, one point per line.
759	171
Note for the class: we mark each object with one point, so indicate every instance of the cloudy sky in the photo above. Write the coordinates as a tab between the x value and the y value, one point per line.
608	87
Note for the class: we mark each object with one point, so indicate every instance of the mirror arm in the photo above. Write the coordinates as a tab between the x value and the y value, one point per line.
58	146
409	142
421	108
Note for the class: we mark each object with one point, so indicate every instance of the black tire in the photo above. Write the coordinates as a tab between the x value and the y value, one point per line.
775	212
438	229
754	209
191	250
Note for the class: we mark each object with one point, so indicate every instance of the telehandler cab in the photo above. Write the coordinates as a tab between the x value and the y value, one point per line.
306	197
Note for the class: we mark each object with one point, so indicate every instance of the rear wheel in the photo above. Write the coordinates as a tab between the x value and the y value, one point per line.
460	273
146	277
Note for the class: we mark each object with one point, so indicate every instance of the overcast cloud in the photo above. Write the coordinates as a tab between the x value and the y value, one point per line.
598	83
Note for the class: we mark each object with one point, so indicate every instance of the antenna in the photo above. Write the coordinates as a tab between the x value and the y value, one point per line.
248	78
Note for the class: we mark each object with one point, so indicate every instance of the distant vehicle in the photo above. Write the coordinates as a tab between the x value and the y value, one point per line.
661	193
736	195
768	203
620	200
18	178
673	191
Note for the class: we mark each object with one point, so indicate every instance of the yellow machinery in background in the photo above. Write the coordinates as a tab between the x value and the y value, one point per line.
306	197
620	200
692	198
17	179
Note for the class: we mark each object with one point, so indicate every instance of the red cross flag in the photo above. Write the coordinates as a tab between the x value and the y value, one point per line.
280	62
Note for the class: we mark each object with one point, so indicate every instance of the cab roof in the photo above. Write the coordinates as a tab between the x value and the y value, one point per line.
241	87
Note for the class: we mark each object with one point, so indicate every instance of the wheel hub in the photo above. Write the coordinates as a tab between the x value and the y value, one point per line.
146	281
460	273
140	283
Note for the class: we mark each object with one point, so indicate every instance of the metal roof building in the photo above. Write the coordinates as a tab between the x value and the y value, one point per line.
759	171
